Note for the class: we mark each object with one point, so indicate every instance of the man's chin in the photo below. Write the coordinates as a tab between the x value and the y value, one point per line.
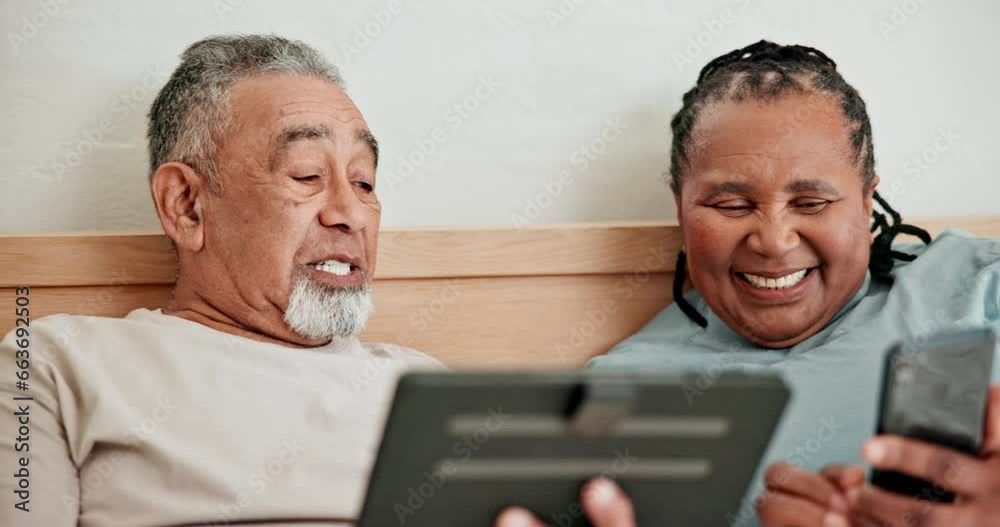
321	311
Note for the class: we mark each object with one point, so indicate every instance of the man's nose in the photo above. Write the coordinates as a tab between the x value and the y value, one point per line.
773	238
343	209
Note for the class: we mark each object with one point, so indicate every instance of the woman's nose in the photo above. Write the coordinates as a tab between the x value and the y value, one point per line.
773	238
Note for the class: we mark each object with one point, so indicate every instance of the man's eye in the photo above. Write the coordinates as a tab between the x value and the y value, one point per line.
364	185
311	177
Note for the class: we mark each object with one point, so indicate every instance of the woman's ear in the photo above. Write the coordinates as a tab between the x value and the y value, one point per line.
869	196
870	205
179	193
677	205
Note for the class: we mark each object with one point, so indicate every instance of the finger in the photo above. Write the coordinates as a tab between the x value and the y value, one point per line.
517	517
942	466
887	508
844	476
991	441
777	509
790	479
606	504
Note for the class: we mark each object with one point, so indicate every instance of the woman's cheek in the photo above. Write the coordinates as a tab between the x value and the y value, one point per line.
844	246
708	242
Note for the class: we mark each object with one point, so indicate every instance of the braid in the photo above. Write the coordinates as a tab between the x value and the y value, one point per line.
883	257
679	278
765	71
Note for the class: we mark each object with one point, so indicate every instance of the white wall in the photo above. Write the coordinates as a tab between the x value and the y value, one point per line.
67	67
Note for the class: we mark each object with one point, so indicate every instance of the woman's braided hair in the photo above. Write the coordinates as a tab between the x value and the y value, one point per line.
765	71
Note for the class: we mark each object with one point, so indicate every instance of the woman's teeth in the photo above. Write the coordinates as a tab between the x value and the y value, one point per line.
334	267
775	283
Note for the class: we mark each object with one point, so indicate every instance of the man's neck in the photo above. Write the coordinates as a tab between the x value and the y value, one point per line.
244	321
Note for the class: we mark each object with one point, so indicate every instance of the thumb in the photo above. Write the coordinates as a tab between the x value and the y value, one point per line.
991	441
606	504
517	517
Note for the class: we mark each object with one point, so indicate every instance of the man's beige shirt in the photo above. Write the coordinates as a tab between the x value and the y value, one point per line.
154	420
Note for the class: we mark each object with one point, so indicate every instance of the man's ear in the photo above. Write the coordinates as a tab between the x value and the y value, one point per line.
179	193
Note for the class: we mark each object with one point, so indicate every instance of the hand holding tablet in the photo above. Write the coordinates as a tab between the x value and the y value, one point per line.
603	502
459	449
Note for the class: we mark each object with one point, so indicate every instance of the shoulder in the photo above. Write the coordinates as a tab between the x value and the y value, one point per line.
956	245
52	337
956	267
412	358
954	254
58	348
670	330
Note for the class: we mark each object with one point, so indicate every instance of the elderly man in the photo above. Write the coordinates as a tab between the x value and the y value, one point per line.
248	398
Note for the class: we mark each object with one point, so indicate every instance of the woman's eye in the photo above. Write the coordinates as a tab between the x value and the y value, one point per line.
366	186
733	206
812	206
306	179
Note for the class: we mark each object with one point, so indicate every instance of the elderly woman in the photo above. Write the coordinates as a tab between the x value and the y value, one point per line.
794	271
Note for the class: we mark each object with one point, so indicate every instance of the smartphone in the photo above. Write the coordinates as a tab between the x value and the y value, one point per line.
936	392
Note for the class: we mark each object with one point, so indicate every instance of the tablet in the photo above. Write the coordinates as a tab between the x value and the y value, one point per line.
459	447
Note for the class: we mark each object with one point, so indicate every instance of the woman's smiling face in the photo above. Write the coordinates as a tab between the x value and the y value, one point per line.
775	215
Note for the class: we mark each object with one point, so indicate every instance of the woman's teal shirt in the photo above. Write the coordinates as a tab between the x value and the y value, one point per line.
835	375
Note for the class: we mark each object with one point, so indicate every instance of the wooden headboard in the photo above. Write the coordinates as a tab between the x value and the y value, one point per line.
539	297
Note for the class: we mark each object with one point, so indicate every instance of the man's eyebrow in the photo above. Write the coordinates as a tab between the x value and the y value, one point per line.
811	185
296	133
730	187
367	138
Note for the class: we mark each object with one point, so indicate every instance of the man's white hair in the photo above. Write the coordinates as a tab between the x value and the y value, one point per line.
320	311
190	116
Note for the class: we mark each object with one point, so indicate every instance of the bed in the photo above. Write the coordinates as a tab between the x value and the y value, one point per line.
486	298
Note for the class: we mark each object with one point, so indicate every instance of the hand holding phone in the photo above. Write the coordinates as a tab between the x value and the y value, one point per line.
936	392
